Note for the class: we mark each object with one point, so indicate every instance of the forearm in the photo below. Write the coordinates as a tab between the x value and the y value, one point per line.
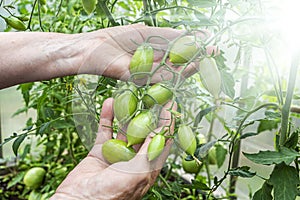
36	56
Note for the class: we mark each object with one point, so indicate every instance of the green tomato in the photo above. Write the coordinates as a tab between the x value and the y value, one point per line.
156	146
125	103
15	23
187	139
212	156
43	2
34	177
89	5
115	150
210	76
140	126
142	61
34	195
190	166
157	94
183	50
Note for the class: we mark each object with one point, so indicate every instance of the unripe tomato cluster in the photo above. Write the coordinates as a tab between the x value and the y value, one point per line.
134	105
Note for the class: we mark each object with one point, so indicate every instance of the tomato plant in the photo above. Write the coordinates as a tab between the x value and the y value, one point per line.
244	105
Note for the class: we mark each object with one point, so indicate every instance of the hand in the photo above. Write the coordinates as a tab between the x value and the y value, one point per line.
94	178
112	56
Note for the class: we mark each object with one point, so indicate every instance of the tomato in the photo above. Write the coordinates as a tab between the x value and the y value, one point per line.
44	8
23	18
15	23
43	2
183	50
187	139
142	61
157	94
210	76
89	5
140	126
156	146
212	156
190	166
34	177
125	103
115	150
34	195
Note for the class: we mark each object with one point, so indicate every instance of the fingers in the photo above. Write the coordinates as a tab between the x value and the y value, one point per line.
166	115
166	122
105	125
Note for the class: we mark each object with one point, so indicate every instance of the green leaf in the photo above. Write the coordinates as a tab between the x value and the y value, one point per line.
202	113
242	172
246	135
203	19
17	143
43	128
25	90
16	179
264	193
204	149
202	3
266	124
273	157
199	185
221	153
285	180
292	141
227	83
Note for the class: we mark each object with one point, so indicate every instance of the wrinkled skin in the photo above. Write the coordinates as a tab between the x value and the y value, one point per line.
93	178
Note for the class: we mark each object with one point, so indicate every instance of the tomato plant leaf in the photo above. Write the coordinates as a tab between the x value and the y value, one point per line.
242	172
204	149
246	135
220	154
16	179
203	19
264	193
227	83
202	3
25	90
266	124
284	154
285	180
292	141
17	143
202	113
199	185
43	128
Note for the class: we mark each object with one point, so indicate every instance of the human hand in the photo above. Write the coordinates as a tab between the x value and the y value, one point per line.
112	56
94	178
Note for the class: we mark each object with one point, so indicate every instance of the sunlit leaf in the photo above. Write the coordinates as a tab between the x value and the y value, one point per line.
202	3
227	83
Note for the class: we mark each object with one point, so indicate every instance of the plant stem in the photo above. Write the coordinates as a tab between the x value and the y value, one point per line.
243	89
288	99
103	6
